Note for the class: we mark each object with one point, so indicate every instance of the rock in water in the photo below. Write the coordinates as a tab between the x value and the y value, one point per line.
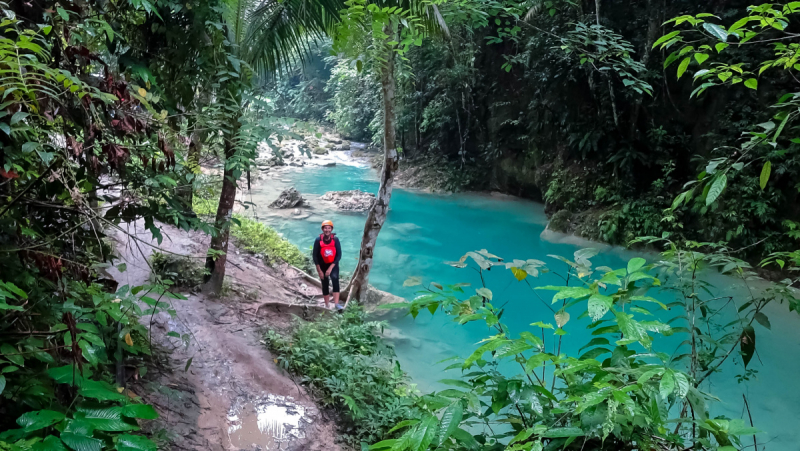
354	200
289	198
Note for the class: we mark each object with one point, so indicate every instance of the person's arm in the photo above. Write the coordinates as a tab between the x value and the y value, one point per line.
316	257
338	252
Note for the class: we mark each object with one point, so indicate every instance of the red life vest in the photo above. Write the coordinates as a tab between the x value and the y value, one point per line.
327	251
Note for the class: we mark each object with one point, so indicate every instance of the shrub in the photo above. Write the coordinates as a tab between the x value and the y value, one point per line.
348	367
258	238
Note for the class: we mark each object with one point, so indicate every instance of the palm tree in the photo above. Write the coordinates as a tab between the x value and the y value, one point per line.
266	36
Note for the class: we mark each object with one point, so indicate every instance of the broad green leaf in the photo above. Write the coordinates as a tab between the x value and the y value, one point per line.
700	57
100	391
720	182
142	411
50	443
665	38
450	421
683	66
12	354
127	442
636	264
107	419
765	173
466	439
487	347
751	83
598	305
412	281
457	383
39	419
403	424
667	385
681	384
79	442
485	292
520	274
561	318
536	361
716	31
424	433
763	320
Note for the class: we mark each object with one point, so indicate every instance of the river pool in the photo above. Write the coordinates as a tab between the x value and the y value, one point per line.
423	230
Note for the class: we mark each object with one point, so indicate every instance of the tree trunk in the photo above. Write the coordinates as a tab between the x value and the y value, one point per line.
193	162
215	263
377	214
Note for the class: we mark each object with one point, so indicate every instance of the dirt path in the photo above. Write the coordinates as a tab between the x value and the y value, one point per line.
233	395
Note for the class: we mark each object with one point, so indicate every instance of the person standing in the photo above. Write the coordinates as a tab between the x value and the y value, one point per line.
326	254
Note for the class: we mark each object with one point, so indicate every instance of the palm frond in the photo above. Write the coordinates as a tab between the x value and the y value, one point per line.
280	32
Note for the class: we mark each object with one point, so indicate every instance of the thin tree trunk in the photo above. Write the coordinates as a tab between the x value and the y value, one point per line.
377	214
193	161
611	94
215	262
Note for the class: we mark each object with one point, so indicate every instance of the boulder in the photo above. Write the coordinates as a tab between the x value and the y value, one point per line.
354	200
289	198
320	151
335	140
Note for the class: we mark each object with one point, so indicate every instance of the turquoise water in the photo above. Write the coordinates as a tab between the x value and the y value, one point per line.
424	230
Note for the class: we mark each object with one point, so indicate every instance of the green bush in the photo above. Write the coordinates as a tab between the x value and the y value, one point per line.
258	238
348	367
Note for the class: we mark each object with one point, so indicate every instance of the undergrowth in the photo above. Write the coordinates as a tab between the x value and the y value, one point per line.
350	370
255	237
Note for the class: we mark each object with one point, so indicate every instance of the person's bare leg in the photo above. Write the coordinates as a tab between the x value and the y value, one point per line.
327	300
336	299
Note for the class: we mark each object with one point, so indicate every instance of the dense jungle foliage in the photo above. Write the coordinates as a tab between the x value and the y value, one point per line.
559	101
108	108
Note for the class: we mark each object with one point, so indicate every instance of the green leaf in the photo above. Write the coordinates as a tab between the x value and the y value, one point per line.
487	347
665	38
563	432
683	66
485	292
598	305
700	57
720	47
716	189
763	320
100	391
127	442
466	439
79	442
681	384
2	383
450	421
402	424
50	443
68	374
765	173
423	433
561	318
716	31
107	419
751	83
18	117
636	264
40	419
12	354
667	385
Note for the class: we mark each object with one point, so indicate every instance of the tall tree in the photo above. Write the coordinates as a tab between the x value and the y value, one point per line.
393	27
267	35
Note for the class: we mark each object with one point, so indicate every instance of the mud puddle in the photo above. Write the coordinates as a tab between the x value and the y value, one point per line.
268	423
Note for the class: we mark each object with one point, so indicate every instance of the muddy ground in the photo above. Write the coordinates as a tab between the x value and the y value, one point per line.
233	395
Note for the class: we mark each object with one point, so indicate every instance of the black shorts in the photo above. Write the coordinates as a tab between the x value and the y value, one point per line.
334	278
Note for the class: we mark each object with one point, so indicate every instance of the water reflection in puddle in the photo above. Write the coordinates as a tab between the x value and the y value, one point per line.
268	423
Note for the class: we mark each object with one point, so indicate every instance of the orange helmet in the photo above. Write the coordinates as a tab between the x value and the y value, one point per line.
327	223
